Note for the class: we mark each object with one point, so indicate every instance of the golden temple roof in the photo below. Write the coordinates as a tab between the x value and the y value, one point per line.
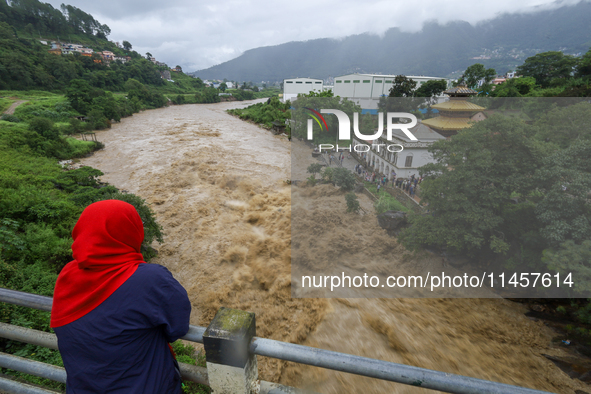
458	105
445	123
460	90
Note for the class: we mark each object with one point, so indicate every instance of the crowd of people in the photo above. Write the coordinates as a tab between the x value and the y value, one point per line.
409	185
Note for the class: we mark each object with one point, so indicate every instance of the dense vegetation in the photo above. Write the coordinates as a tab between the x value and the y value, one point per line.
518	195
265	113
39	205
35	17
39	201
546	74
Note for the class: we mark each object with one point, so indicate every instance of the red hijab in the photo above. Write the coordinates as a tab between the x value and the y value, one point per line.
106	249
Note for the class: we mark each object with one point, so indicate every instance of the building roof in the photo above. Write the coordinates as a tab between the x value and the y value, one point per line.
421	131
448	124
393	76
460	90
458	105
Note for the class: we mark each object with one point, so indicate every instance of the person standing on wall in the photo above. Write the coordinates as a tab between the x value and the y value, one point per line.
115	315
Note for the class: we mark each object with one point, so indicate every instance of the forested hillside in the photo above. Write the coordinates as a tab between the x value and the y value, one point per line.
439	50
41	18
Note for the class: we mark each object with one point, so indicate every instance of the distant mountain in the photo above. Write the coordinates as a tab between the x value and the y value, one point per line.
437	50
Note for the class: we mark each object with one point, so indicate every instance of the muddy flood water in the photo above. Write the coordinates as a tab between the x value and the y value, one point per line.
217	185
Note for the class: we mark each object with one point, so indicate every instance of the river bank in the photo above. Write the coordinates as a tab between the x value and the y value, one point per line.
217	185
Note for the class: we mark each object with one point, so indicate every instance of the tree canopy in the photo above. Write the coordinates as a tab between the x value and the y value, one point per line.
475	73
512	193
548	68
402	87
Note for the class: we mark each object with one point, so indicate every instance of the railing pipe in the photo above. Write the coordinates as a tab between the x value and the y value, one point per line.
21	298
45	339
14	387
32	367
364	366
43	303
194	373
383	370
195	334
28	335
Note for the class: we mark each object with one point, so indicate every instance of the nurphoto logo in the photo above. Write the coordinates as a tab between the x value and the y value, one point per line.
345	128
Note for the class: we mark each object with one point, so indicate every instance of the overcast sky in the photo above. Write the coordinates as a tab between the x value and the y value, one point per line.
200	34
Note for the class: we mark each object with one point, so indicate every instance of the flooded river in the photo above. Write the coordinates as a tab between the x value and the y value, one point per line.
217	185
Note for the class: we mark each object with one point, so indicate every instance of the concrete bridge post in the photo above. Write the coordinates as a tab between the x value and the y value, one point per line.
231	369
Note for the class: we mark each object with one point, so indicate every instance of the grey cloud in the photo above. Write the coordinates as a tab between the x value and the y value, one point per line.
198	35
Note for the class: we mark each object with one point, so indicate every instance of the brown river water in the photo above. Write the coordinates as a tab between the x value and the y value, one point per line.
217	186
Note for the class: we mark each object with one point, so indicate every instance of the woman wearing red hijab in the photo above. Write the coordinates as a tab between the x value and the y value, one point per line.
113	314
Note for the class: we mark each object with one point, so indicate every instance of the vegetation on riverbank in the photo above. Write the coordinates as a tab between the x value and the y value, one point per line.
39	205
265	114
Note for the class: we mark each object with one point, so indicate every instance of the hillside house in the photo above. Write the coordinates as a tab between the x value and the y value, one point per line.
108	56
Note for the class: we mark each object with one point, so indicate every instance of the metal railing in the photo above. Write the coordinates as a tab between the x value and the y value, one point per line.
400	373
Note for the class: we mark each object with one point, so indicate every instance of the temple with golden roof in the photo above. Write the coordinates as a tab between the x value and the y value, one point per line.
456	113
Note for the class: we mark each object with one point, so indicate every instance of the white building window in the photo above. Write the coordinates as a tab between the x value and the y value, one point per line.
408	162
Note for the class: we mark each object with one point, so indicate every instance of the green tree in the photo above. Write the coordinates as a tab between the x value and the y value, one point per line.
431	88
148	55
30	30
548	68
515	87
565	181
328	174
402	87
352	202
344	178
210	95
471	207
565	126
98	120
108	106
314	168
584	66
573	259
223	87
127	46
80	95
475	73
44	127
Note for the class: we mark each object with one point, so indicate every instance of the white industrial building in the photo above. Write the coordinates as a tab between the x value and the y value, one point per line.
294	86
386	160
366	89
